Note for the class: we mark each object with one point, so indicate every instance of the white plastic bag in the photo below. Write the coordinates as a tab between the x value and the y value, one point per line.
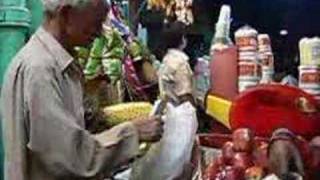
165	160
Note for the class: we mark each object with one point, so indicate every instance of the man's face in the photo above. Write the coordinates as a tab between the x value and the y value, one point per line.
82	25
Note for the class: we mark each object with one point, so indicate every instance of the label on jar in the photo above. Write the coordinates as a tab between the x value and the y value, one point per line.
247	43
267	60
309	77
250	69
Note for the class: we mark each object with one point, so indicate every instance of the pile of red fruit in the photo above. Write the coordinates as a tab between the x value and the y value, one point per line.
247	159
241	159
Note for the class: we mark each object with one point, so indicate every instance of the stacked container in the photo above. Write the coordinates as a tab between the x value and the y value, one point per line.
266	58
309	70
248	65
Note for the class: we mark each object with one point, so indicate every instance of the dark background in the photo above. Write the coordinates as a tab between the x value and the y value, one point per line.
299	17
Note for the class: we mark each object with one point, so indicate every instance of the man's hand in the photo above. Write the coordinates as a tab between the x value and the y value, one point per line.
149	129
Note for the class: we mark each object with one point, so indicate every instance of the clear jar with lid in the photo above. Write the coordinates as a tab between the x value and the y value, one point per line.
246	39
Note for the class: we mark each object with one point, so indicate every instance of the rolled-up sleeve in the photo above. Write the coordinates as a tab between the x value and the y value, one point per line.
60	144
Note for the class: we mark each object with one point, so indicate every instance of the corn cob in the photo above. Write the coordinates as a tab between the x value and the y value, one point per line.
124	112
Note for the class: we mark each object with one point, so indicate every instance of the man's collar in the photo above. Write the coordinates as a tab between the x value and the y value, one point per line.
63	58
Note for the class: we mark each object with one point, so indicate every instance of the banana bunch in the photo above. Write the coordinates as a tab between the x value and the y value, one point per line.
124	112
157	4
183	11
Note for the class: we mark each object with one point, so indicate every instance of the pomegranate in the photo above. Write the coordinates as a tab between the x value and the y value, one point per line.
261	155
242	160
254	173
228	152
243	140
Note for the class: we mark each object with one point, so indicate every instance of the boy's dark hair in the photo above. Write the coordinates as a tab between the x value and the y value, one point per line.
173	34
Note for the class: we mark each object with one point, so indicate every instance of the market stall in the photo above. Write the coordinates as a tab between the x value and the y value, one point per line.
272	125
242	97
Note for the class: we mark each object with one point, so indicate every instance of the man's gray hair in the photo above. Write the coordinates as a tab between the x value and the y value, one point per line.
53	5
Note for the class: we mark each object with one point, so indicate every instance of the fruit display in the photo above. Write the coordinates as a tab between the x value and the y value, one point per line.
245	156
180	9
120	113
241	158
243	140
157	4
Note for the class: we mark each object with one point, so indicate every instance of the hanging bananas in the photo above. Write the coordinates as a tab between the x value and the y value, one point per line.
157	4
180	9
183	11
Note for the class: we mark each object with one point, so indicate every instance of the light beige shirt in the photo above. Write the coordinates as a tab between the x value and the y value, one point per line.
43	120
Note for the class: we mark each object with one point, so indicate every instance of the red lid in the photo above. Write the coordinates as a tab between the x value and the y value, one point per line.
268	107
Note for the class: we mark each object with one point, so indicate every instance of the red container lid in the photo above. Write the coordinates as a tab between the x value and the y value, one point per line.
268	107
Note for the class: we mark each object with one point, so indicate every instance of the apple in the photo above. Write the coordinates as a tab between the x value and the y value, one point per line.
254	173
242	160
228	152
243	140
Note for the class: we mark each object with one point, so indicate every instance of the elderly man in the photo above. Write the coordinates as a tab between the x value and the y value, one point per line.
42	105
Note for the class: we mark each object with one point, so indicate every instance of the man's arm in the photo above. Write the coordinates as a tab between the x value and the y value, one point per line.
65	148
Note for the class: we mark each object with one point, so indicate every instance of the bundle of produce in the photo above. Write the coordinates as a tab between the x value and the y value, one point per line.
180	10
138	51
105	56
124	112
157	4
82	54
